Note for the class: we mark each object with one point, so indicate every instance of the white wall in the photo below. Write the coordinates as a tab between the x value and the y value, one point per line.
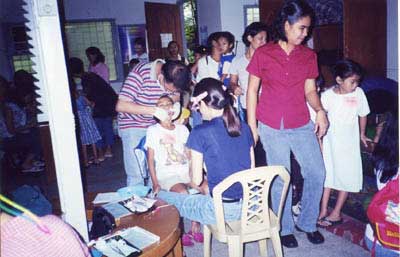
392	61
208	12
232	19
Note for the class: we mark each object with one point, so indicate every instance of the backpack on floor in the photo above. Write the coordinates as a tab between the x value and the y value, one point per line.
386	232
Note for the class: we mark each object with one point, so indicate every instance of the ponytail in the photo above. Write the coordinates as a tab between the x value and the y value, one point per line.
231	121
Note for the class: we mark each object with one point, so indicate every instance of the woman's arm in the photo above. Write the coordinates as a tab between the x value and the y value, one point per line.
133	108
321	121
197	167
152	170
252	95
252	159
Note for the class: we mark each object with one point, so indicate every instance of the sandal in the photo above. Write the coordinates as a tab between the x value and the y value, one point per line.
187	240
325	222
197	236
33	169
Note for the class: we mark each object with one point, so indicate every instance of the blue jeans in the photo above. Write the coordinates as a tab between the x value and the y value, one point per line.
303	143
105	127
200	207
380	251
130	139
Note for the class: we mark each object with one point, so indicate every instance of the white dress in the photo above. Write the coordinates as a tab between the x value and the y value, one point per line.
341	145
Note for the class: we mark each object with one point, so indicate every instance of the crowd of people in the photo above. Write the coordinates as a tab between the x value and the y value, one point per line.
269	95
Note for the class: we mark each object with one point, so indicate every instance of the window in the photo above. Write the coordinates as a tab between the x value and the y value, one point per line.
251	14
81	35
21	56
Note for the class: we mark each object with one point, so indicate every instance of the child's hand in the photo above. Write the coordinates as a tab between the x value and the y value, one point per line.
364	139
156	189
238	91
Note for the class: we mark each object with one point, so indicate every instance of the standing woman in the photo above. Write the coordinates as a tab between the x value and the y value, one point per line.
96	59
287	70
254	36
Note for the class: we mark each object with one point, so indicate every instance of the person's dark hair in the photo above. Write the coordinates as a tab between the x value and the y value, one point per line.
218	98
177	73
75	66
347	68
386	152
229	37
172	42
99	56
212	37
291	12
24	83
133	62
252	30
140	41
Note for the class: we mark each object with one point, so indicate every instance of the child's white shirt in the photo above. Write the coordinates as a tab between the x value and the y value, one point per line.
169	149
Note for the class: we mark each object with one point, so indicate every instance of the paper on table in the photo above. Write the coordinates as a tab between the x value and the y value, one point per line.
139	237
107	197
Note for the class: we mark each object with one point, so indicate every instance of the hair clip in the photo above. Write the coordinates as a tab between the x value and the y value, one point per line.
196	99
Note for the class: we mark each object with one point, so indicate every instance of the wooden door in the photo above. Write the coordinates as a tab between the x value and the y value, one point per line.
268	10
162	19
364	32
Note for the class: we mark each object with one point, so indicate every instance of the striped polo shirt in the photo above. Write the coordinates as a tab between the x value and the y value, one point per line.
140	87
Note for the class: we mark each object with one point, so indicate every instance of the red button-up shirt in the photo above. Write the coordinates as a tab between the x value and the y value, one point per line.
282	77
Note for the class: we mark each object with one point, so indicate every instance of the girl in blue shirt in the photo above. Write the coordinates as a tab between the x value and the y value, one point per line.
223	145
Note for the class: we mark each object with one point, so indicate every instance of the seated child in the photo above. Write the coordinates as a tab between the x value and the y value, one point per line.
168	160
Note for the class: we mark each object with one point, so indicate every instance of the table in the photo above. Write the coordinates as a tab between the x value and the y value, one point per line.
163	221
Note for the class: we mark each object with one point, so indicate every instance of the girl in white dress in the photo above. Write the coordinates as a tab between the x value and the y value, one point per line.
347	108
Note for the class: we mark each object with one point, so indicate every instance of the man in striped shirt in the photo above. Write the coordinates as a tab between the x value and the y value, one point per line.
136	105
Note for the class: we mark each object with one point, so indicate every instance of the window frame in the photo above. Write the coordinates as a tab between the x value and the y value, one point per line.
245	8
115	40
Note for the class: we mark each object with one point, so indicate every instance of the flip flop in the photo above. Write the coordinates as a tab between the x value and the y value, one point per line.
330	223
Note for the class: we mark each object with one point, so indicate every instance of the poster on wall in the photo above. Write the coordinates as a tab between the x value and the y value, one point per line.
127	35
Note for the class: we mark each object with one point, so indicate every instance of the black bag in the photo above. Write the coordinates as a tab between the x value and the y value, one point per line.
103	223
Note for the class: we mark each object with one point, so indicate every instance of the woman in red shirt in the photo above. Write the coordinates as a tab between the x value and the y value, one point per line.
287	70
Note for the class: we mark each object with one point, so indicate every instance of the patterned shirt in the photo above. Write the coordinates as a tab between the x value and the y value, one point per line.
140	87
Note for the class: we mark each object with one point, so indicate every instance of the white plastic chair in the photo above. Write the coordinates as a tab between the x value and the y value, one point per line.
258	222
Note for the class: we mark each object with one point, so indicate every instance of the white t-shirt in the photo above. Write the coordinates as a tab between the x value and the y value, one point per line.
168	146
207	68
238	67
143	57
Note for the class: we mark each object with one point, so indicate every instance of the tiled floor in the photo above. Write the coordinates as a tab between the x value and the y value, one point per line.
109	176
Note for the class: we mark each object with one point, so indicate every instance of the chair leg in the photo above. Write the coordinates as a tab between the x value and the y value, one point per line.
276	243
262	245
235	246
207	242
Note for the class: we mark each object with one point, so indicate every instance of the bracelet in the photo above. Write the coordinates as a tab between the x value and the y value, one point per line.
321	110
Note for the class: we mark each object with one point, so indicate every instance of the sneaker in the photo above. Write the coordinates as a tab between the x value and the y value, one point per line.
197	236
187	240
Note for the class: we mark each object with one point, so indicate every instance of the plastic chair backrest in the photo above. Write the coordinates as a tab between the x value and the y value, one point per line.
256	184
141	158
